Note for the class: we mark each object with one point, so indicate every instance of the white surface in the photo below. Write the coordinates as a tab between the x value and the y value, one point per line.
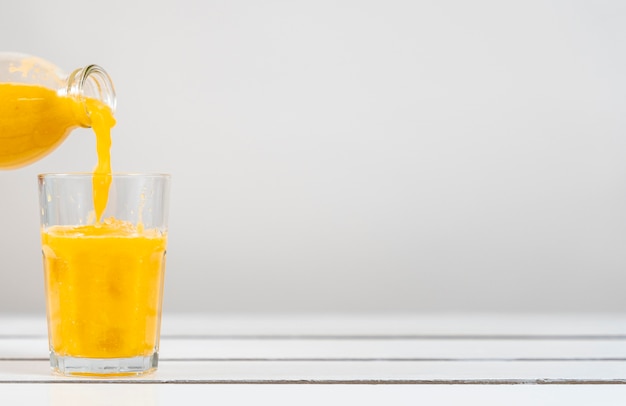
558	375
353	155
152	395
347	372
445	349
270	352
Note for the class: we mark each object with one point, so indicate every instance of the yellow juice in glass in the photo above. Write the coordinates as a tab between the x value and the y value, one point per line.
104	286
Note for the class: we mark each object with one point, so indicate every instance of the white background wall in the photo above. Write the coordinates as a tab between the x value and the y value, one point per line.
353	155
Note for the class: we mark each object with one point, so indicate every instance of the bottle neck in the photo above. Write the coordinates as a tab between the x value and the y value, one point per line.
91	82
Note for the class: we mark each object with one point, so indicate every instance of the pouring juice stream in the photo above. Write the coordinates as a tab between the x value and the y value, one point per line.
101	121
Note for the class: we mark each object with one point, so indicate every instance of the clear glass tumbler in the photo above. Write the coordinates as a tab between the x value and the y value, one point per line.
104	279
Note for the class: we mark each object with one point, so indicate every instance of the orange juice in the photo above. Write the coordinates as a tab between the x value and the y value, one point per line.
34	120
104	286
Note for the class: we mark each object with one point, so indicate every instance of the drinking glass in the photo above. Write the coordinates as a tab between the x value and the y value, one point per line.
104	277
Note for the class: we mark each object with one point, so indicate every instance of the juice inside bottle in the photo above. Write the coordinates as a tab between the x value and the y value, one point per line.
40	105
34	120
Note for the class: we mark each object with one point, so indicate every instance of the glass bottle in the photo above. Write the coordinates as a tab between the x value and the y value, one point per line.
40	105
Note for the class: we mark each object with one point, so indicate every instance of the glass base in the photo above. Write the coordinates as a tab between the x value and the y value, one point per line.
104	367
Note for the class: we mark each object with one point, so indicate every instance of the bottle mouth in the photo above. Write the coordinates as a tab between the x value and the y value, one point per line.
92	82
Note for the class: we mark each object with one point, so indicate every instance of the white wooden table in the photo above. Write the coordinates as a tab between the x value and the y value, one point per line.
375	359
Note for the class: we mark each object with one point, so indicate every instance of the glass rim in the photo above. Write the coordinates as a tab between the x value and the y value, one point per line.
113	174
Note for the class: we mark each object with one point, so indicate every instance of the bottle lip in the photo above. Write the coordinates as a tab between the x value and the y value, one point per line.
93	82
